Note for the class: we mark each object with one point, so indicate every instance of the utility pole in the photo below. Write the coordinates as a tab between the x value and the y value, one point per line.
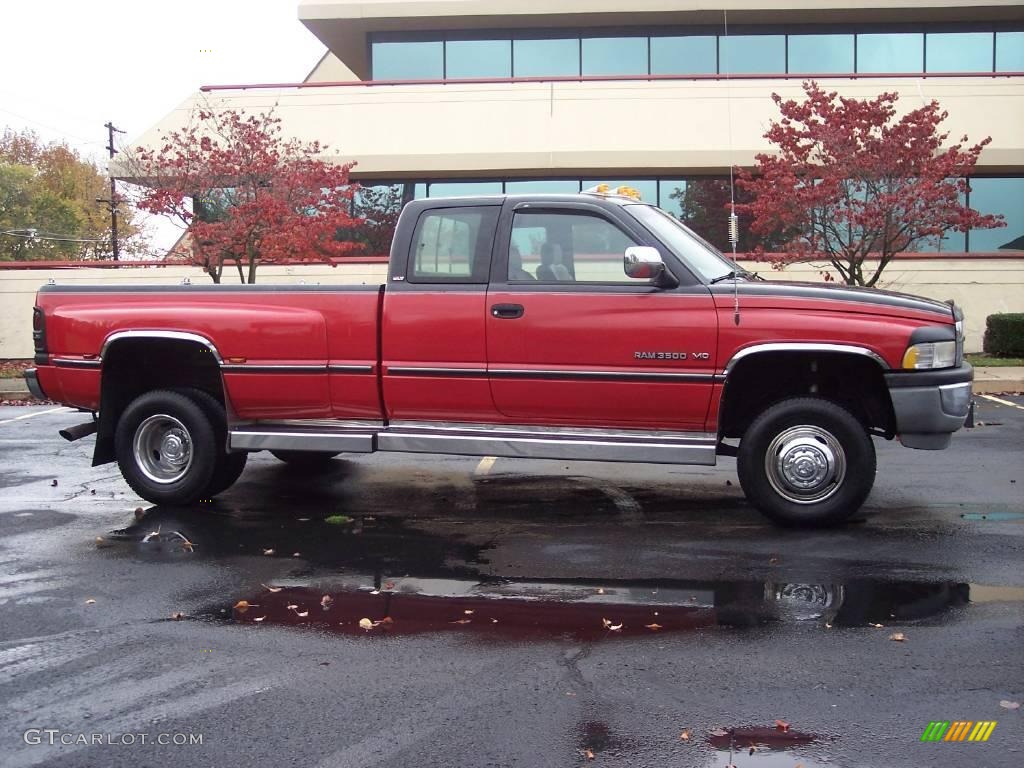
111	130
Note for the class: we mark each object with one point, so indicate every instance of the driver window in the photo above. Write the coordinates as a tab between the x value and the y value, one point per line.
567	247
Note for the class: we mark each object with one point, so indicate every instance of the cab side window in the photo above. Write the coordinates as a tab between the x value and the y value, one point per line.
453	245
567	247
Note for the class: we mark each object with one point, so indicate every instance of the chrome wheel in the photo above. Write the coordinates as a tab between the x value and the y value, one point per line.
802	602
162	448
805	464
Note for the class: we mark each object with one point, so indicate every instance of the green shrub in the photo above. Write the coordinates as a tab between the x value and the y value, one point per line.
1004	334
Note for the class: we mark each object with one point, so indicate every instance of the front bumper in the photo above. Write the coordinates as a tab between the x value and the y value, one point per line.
930	405
32	379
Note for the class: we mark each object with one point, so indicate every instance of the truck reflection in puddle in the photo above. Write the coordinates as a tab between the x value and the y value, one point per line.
583	610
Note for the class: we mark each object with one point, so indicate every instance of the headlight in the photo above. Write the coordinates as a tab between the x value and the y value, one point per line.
931	354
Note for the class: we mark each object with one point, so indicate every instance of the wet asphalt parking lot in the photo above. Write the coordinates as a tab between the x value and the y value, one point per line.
519	613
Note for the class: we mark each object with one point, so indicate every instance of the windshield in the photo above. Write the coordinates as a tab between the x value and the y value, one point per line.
693	250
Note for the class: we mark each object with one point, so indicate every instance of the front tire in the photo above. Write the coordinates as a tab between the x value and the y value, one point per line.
806	461
166	448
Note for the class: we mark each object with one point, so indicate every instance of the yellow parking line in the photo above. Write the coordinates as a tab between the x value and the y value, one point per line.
485	465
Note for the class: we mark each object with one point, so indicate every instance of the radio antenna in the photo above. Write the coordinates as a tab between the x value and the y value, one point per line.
734	222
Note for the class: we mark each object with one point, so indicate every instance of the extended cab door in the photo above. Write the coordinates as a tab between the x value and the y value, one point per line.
571	340
433	345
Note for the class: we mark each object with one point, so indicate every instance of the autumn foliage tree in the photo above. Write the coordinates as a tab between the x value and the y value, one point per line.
247	194
857	184
48	207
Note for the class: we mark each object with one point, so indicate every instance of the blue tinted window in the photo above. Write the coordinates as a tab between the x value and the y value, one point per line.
408	61
899	52
750	54
455	188
959	52
419	191
821	53
478	58
666	189
542	186
1009	51
615	56
539	58
648	188
1005	196
684	55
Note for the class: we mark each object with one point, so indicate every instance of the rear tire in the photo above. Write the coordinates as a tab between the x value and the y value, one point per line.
807	462
307	460
230	464
166	447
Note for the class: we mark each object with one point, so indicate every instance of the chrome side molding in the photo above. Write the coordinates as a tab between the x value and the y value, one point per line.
563	443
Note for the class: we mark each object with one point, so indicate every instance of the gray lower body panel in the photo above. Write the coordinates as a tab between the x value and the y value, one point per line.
927	417
481	440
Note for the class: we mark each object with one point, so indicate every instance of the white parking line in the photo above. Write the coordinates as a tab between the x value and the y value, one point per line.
31	415
484	467
1003	402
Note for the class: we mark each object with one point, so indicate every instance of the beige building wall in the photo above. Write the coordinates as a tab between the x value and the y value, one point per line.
636	126
980	286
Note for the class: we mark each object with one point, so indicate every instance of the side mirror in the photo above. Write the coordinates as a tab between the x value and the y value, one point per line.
642	262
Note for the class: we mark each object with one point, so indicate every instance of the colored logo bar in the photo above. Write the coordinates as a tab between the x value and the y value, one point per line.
958	730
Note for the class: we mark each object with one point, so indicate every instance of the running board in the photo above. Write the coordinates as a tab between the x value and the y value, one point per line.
578	444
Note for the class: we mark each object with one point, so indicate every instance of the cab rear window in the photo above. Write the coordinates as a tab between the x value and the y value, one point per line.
453	245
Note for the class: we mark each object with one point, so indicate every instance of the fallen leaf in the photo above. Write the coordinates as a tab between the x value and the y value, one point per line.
296	554
291	606
653	626
718	732
600	591
772	560
302	615
462	621
268	551
605	623
178	616
876	626
259	618
616	627
271	589
374	591
685	735
365	624
325	602
92	492
102	543
589	754
494	621
468	612
752	750
303	519
782	725
53	484
242	606
1009	704
827	625
325	663
899	637
90	601
387	620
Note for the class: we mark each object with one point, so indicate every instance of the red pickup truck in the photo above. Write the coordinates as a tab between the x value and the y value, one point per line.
569	327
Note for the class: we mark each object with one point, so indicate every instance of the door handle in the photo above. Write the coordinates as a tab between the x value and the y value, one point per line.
507	311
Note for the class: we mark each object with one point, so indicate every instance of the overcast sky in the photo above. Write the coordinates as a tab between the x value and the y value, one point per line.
69	66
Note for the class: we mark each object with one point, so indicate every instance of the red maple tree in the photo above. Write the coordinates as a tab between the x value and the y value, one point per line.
853	182
247	194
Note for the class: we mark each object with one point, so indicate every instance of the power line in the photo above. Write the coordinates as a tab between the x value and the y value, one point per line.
32	234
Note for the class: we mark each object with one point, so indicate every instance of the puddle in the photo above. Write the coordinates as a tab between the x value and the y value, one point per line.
370	604
765	747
